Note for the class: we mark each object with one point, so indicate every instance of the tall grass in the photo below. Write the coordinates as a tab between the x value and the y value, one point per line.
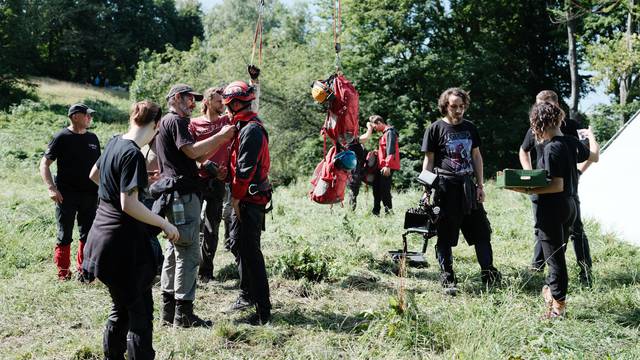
351	311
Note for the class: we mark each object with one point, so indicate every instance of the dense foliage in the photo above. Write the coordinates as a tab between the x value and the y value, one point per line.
79	40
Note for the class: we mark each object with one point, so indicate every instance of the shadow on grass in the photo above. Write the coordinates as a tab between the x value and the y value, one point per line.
324	320
617	279
228	272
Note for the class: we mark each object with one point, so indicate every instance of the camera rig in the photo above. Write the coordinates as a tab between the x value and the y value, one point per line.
420	220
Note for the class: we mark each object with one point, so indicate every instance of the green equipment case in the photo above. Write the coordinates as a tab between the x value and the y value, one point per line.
509	178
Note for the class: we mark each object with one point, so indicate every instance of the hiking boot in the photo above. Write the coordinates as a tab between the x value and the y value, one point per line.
185	318
555	309
80	278
490	277
449	283
240	304
168	308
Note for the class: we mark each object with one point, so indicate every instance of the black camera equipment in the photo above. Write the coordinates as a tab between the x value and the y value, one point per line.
420	220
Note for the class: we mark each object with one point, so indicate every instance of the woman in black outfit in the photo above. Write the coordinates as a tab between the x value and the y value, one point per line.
556	209
118	250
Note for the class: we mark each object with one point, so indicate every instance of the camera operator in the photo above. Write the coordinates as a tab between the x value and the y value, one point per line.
452	147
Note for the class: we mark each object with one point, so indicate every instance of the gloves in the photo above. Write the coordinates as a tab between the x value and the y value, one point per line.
254	72
211	168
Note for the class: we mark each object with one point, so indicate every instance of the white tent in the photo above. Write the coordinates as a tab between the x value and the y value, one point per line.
608	189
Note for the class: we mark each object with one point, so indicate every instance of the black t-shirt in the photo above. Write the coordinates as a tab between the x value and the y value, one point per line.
529	144
75	154
122	169
452	145
174	134
561	155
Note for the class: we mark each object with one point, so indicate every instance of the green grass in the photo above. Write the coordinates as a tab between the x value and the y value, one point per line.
349	314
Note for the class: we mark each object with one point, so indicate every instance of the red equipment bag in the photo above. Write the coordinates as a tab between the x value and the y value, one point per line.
341	123
328	181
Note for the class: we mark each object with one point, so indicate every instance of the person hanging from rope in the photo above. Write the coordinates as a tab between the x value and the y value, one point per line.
452	150
556	210
216	196
250	192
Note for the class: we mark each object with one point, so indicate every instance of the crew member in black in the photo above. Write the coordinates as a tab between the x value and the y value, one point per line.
118	250
578	236
75	196
556	210
177	154
452	150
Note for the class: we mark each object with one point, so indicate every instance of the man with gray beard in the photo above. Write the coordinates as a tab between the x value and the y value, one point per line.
177	155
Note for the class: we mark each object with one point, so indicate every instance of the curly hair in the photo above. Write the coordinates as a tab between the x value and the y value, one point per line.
443	101
544	116
145	111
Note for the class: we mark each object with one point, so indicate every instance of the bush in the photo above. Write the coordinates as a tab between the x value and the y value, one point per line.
303	264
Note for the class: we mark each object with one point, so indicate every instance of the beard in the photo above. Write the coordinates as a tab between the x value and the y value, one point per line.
184	107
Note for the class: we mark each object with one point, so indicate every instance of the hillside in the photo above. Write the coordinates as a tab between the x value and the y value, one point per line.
349	314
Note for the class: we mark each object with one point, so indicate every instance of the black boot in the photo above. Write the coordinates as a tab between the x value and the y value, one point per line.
490	276
168	308
449	283
185	317
261	317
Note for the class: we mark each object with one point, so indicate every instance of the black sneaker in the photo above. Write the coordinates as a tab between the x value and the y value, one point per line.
240	304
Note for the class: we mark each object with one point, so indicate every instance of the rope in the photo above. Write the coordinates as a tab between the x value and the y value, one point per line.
258	35
337	30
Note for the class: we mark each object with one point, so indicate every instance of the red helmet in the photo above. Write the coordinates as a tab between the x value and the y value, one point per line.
238	90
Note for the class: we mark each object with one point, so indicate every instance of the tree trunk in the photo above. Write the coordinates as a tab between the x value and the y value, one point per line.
573	62
625	79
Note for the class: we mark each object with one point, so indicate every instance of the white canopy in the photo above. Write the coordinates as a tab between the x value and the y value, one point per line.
608	189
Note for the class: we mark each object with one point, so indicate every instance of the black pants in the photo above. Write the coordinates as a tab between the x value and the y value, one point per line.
245	244
554	218
577	236
354	189
75	206
129	327
382	192
214	197
475	227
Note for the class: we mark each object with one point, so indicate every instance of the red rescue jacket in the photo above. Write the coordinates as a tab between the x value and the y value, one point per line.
250	161
388	149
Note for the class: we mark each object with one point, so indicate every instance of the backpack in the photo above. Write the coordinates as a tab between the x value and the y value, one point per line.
341	123
328	181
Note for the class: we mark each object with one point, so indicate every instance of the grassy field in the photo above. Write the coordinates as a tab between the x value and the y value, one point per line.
350	313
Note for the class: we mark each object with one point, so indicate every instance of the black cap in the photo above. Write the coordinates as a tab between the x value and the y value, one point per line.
181	89
80	108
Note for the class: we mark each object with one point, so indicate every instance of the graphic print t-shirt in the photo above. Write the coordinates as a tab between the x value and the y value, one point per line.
452	145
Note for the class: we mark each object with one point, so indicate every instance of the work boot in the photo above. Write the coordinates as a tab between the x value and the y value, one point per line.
490	276
185	318
62	259
261	317
449	283
240	304
555	309
168	308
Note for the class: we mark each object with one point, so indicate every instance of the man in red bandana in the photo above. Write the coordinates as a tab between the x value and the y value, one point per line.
250	193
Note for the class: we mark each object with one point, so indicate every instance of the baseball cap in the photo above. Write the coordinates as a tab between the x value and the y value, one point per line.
181	89
81	108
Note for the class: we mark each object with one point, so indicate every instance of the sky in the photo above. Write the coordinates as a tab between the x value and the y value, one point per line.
587	103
